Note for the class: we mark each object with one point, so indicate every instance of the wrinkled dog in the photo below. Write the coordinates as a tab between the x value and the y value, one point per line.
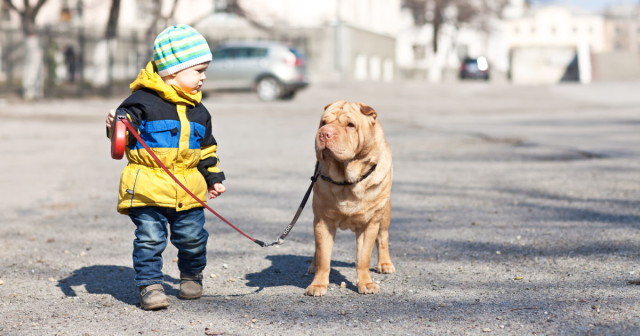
353	192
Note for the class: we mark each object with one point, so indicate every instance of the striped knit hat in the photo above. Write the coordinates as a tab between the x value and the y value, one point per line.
179	47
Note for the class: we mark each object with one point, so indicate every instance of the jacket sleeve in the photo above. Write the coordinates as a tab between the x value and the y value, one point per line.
134	115
208	165
135	109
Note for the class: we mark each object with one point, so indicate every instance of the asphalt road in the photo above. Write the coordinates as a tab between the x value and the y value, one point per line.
515	212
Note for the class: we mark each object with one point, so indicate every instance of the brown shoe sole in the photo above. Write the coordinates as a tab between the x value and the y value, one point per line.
185	297
156	306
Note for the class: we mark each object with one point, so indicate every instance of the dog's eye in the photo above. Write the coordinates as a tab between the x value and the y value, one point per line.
351	125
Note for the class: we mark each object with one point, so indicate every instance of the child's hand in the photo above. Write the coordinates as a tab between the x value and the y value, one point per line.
110	116
216	189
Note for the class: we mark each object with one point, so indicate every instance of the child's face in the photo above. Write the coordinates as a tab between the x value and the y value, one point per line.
191	79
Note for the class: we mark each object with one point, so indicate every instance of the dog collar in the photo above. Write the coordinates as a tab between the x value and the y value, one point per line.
344	183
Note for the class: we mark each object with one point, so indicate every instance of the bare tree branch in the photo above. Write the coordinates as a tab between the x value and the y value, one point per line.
234	6
27	14
11	5
173	10
37	7
112	22
467	12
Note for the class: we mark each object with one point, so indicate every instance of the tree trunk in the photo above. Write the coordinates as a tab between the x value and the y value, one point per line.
438	18
112	22
447	38
32	77
105	51
101	64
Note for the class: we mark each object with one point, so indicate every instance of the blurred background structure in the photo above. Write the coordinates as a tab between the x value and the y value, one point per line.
87	47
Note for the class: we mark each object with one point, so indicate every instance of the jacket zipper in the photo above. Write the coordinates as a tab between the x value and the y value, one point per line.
133	192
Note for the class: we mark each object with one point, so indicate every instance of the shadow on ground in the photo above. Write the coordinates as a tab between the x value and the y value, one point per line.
291	270
113	280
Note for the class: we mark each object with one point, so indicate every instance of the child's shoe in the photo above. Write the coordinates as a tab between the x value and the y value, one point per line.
152	297
190	287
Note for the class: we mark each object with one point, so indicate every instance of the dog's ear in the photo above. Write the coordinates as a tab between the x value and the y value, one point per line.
368	110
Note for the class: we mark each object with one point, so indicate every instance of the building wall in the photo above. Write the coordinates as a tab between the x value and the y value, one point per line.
542	65
379	16
616	66
558	27
368	56
552	44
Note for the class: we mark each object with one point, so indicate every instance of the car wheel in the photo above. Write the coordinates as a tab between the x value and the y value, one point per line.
268	89
289	95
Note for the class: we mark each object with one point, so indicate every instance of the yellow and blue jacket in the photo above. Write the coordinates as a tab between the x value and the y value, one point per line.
178	129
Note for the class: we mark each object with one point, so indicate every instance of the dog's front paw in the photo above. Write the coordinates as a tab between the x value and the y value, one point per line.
386	268
368	288
316	290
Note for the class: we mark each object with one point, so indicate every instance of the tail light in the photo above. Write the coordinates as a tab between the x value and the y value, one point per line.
293	60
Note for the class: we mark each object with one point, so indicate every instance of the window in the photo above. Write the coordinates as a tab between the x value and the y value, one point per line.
256	52
242	53
225	53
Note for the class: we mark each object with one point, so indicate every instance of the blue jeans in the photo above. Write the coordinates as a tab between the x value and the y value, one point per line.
187	235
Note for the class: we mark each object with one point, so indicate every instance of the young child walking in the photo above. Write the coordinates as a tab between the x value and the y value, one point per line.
165	107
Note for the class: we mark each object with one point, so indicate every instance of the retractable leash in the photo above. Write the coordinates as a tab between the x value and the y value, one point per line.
118	145
119	136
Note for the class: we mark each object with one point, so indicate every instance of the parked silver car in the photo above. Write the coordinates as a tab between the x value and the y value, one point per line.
271	69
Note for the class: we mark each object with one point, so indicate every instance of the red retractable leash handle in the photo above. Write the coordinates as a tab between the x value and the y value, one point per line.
118	145
118	136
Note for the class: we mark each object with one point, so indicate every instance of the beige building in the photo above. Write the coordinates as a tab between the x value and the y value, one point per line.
621	59
622	30
552	44
555	26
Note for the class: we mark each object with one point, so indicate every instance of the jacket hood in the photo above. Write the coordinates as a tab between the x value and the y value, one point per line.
150	79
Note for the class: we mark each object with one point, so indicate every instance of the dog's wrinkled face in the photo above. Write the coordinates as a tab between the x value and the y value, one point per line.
346	131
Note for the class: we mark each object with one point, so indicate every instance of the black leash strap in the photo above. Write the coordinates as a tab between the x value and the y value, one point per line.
286	231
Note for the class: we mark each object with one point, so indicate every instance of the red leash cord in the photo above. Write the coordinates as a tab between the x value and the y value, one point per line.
134	132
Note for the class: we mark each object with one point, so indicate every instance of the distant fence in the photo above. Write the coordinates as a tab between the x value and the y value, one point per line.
68	60
71	54
75	62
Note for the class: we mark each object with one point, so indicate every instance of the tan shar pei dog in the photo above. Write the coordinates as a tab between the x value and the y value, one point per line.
353	192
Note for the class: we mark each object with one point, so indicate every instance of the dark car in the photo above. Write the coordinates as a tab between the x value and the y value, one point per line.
474	68
271	69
